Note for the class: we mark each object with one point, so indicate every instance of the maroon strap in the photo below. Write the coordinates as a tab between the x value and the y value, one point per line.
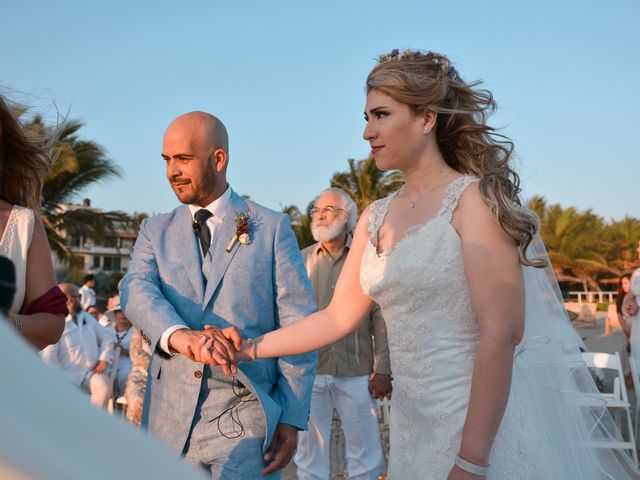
54	301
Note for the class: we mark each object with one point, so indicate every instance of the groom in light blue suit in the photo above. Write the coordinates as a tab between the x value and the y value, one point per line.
192	268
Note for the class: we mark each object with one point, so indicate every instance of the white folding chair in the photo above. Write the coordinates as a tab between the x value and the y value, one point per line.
616	400
113	379
384	410
612	319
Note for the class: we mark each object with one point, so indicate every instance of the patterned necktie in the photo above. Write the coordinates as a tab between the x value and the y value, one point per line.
202	230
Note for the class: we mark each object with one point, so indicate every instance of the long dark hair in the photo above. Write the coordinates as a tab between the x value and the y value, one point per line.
621	292
23	163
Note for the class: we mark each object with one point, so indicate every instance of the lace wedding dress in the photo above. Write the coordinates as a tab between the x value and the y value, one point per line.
433	336
14	244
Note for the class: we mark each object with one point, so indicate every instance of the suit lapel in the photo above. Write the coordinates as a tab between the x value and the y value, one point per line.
220	259
189	249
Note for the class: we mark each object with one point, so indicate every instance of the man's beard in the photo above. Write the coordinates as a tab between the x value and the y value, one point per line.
328	232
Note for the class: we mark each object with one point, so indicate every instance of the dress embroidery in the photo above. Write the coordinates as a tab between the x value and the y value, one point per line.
433	336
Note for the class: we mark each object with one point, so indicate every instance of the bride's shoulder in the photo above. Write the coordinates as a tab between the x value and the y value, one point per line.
474	218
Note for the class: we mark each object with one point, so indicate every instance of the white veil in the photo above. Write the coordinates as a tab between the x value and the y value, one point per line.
551	380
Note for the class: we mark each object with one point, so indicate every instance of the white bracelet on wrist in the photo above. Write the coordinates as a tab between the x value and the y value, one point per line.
475	469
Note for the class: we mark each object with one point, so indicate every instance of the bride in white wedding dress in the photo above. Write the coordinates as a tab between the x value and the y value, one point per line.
488	381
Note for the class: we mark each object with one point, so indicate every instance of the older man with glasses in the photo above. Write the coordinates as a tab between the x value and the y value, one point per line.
351	371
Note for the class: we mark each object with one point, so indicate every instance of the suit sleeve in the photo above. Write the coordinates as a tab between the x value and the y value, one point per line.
294	300
141	295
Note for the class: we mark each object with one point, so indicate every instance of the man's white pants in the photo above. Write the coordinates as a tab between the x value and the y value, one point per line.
99	389
358	415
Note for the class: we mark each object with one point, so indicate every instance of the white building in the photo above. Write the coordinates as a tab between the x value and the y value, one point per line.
112	255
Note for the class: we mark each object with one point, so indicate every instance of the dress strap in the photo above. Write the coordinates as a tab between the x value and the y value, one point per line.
378	212
454	192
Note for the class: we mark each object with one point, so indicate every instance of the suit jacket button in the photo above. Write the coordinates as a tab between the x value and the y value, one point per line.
197	374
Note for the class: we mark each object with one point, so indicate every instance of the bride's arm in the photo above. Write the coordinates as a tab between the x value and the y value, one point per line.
496	285
348	307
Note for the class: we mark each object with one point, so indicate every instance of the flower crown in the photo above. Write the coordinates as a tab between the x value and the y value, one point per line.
446	69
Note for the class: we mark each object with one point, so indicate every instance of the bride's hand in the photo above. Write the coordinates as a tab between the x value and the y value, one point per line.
227	341
457	473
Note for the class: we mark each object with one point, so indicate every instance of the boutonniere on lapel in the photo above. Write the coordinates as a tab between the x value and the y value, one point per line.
243	230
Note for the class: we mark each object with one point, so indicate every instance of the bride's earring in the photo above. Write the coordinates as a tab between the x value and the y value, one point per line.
426	130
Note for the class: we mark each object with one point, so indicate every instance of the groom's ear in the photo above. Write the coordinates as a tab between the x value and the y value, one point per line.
220	159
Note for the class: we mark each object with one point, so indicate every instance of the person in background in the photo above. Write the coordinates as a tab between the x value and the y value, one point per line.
351	370
84	351
140	353
39	307
87	292
625	350
121	328
630	310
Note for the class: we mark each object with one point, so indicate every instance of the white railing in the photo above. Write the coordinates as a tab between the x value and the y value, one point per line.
590	297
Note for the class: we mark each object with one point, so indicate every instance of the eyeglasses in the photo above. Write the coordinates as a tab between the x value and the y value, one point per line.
325	210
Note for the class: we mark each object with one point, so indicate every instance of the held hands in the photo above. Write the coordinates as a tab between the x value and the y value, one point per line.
212	346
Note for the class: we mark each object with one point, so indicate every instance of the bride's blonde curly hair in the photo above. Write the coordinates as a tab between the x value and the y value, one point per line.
428	81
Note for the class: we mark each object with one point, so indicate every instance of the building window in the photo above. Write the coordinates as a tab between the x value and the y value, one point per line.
75	241
96	262
111	264
111	242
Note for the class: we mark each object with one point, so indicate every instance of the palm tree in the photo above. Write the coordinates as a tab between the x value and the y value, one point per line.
364	182
300	224
623	236
576	244
77	164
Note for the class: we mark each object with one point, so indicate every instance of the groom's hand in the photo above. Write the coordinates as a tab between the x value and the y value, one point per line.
204	346
281	449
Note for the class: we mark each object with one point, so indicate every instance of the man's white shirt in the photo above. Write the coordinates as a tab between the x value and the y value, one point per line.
219	209
87	297
80	347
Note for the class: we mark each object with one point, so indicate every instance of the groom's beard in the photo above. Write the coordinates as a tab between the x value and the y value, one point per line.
328	232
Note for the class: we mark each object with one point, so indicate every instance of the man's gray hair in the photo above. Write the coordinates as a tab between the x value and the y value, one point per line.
348	205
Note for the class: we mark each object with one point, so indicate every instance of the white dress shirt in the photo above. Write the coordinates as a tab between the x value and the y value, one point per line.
87	296
80	348
219	209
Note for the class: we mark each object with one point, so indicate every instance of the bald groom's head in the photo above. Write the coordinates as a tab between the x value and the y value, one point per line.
196	151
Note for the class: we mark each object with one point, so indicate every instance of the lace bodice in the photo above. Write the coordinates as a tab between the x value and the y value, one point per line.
14	244
433	336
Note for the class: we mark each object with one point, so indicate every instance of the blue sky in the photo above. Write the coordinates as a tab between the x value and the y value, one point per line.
287	79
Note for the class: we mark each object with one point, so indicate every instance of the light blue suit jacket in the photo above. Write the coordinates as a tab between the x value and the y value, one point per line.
256	287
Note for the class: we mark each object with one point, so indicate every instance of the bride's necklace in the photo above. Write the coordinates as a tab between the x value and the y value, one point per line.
412	203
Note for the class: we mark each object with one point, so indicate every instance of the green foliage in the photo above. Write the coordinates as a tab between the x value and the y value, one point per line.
301	225
77	165
365	183
583	247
